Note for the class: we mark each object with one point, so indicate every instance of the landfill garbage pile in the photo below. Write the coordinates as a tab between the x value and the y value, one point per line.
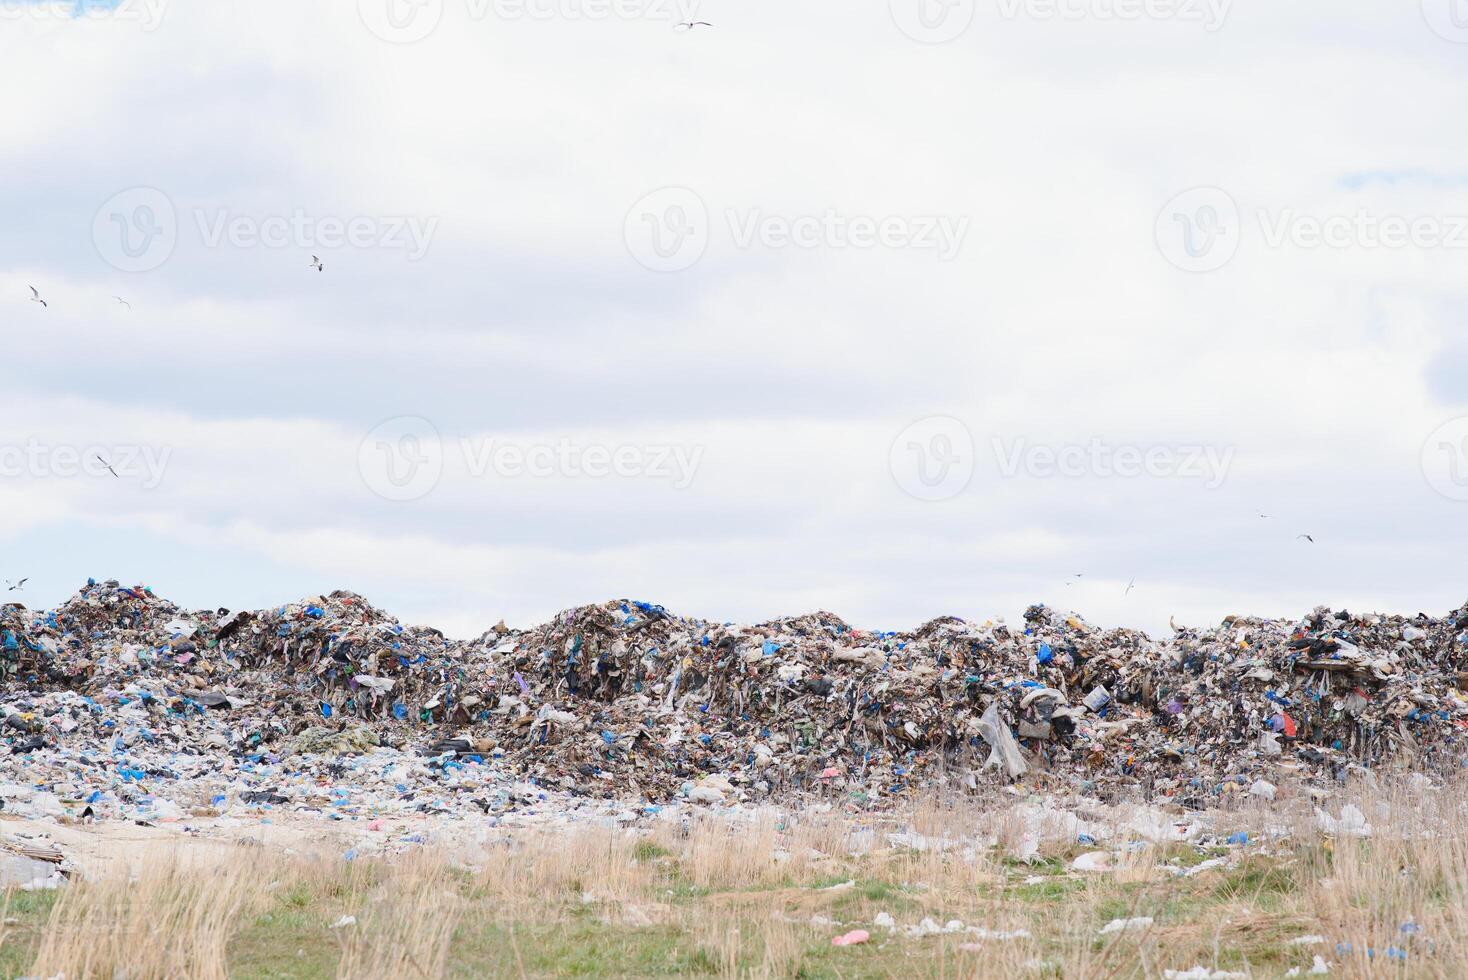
627	700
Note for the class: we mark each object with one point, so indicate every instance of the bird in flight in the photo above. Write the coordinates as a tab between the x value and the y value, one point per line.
16	586
1077	575
109	467
1306	537
36	298
689	25
123	302
1129	586
1265	516
317	264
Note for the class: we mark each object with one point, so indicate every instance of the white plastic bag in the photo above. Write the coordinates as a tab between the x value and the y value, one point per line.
1005	750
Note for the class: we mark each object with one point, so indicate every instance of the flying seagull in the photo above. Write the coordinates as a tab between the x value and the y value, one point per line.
689	25
1075	576
36	297
123	302
16	586
109	466
1265	516
1129	587
317	264
1306	537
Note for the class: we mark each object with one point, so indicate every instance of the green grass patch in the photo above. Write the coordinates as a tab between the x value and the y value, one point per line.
1043	892
1257	881
581	949
646	850
29	910
1040	866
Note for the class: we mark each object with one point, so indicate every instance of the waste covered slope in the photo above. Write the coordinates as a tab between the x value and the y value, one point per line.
627	699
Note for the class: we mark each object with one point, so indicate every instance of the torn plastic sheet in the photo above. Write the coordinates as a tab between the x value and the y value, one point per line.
1005	750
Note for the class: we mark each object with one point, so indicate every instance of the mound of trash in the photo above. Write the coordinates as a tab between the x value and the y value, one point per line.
628	700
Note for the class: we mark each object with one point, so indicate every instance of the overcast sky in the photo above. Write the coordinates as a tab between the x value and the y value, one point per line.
891	309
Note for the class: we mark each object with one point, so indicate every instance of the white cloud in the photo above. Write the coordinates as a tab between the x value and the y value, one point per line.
790	369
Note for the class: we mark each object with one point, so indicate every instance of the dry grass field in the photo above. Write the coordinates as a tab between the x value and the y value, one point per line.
764	898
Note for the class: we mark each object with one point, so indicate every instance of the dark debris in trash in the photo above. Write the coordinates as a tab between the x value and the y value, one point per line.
627	699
